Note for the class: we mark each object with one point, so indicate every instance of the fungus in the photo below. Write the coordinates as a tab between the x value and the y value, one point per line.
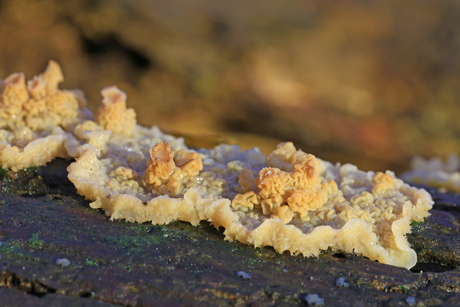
246	181
52	76
166	172
282	193
112	113
41	105
35	120
435	173
383	183
36	152
308	207
189	162
90	132
160	165
289	199
14	95
246	201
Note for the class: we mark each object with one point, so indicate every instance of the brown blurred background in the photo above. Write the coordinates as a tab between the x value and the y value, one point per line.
366	82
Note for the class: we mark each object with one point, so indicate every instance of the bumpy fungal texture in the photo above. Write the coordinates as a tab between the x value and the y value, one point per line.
339	207
281	193
38	151
35	119
167	173
91	133
112	113
434	172
289	199
40	105
160	165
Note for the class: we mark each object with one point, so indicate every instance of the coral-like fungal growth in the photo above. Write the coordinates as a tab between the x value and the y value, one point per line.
189	162
41	105
289	199
168	173
14	95
52	76
35	119
282	193
383	183
112	113
161	164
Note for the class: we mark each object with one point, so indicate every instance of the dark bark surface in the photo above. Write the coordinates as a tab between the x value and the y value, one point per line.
43	219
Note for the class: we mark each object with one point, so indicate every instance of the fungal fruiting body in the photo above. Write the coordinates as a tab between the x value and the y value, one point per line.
434	172
112	113
35	119
289	199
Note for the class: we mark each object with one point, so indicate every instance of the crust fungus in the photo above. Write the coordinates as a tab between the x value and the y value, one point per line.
112	113
14	94
308	207
41	105
283	193
168	172
289	199
434	172
383	183
35	119
161	164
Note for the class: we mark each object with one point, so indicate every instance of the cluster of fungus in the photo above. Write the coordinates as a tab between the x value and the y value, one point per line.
284	193
288	199
39	105
35	118
434	172
112	113
168	173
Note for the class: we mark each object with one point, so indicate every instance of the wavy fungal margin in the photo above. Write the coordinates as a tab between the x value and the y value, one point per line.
289	199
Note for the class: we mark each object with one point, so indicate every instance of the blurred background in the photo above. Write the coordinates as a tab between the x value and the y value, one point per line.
367	82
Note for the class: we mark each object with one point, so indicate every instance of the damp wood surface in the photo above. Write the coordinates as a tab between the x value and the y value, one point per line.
115	263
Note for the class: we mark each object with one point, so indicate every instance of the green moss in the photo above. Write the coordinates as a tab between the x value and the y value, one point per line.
414	223
3	172
26	181
405	289
11	247
124	241
415	226
32	169
252	261
94	262
126	266
16	252
35	242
